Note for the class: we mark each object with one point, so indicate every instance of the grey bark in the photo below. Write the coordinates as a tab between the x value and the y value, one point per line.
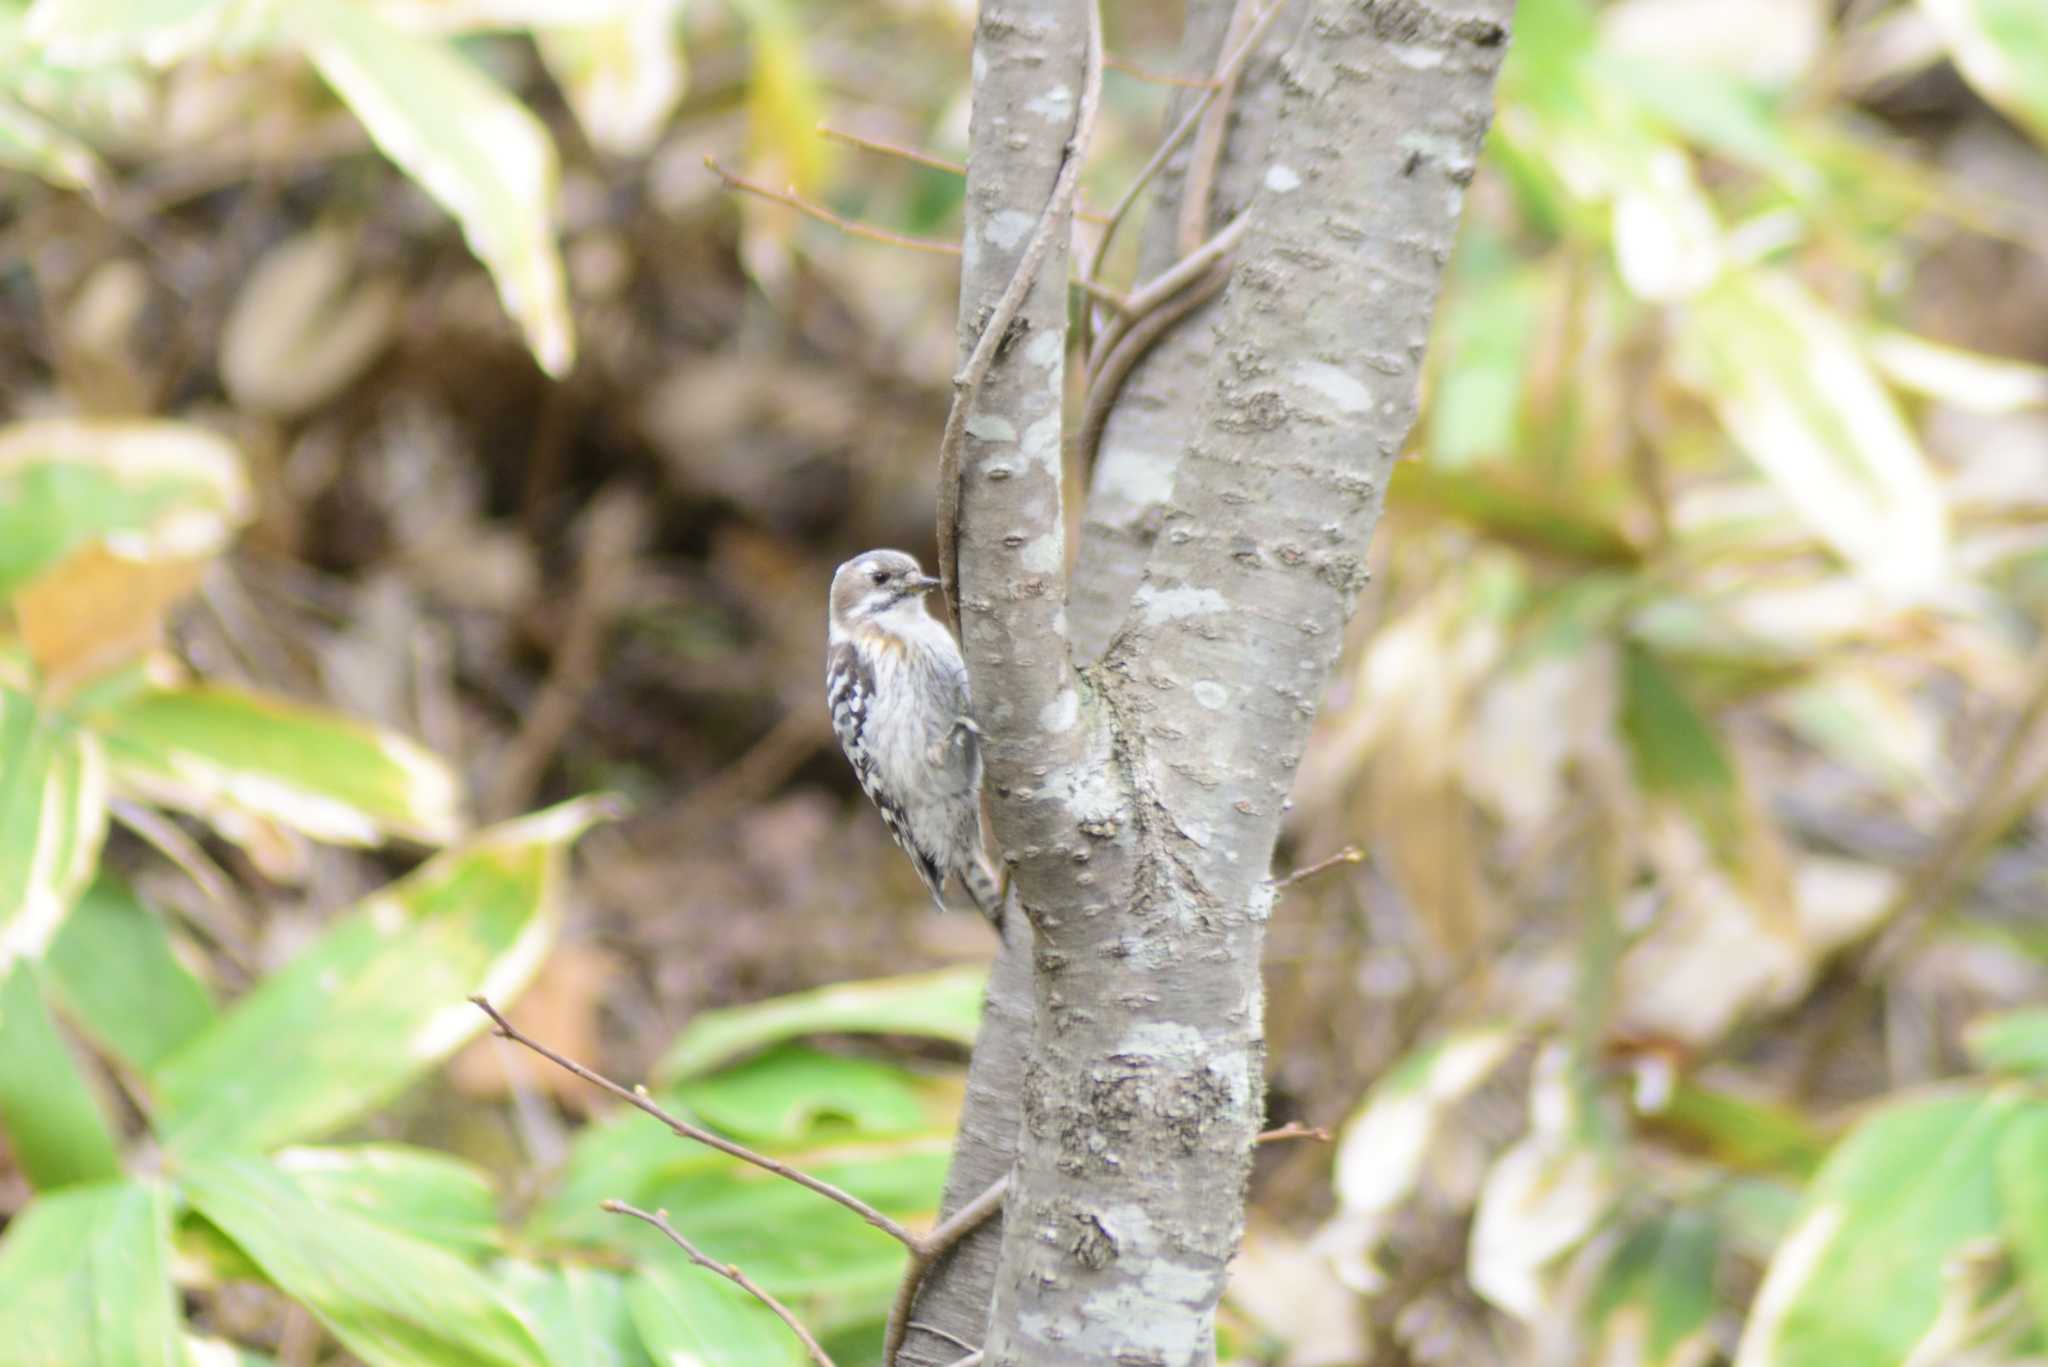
1139	800
1029	72
1155	414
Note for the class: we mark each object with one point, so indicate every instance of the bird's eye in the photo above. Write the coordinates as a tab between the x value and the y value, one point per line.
880	576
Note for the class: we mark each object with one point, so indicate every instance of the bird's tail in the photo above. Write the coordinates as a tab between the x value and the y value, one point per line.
985	886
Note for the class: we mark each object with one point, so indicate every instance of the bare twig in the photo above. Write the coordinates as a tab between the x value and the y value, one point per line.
932	245
1206	151
973	1359
967	383
1120	357
639	1100
891	149
1151	77
735	181
1293	1129
659	1219
950	1231
1226	72
962	1344
1350	854
1149	313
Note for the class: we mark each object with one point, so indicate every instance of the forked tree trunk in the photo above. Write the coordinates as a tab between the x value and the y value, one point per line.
1139	796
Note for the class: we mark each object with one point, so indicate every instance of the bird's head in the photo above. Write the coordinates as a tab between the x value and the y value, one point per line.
872	583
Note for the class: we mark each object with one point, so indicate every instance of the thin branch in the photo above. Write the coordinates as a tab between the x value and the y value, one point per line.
962	1344
973	1359
935	162
1147	318
659	1219
735	181
891	149
934	1245
1293	1129
638	1098
1106	380
1226	72
967	383
1205	153
1350	854
1151	77
1101	294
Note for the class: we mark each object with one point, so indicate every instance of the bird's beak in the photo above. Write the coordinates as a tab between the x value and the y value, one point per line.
924	583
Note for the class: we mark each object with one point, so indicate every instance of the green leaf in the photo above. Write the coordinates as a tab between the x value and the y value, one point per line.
1969	380
391	1299
30	143
230	756
688	1315
1793	388
578	1313
85	33
150	491
1657	1293
53	820
2023	1189
1677	754
1861	1276
85	1279
2001	46
2011	1041
431	1196
1384	1143
1741	1133
379	999
1482	352
793	1242
782	1095
622	74
943	1005
468	143
202	1351
52	1119
114	974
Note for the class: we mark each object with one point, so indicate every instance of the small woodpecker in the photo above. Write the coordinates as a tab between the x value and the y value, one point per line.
897	688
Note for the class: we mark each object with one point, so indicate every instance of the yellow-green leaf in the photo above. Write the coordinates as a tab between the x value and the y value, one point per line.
688	1315
53	820
51	1117
85	1279
231	757
2002	47
1792	387
391	1299
84	33
428	1195
1656	1294
472	147
30	143
379	999
117	978
149	492
578	1313
623	76
1861	1277
942	1005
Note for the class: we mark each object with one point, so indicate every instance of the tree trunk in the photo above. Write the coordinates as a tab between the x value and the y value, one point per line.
1138	801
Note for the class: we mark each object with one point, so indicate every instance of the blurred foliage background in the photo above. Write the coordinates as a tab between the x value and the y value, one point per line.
407	431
